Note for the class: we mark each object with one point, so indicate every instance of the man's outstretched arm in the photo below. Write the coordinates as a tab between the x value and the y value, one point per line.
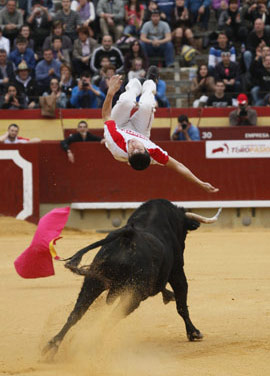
186	173
113	86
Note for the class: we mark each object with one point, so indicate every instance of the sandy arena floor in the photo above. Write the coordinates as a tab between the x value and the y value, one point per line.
229	294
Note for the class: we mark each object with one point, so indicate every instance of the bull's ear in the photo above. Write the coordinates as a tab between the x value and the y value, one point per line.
191	224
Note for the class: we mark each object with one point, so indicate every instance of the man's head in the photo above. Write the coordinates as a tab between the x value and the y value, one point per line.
233	5
105	62
57	28
259	25
11	6
265	51
137	63
66	71
183	121
3	56
25	31
107	42
109	71
48	55
222	39
266	62
138	156
23	71
83	33
226	57
13	130
85	78
66	5
82	127
57	43
12	91
21	44
219	87
155	16
242	100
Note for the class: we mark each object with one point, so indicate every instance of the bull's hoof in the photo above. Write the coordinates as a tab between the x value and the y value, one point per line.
50	350
196	335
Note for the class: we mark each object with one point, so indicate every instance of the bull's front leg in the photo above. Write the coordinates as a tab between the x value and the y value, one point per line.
179	285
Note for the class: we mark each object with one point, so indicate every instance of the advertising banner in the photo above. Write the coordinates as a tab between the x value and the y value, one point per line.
237	149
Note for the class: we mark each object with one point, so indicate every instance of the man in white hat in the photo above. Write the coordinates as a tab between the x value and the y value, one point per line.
26	84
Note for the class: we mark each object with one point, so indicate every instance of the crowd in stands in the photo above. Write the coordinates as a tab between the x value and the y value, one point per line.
68	51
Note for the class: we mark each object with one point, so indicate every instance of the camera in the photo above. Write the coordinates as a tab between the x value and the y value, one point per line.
184	125
11	97
243	111
85	84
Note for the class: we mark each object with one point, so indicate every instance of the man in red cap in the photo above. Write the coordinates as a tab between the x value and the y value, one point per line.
243	115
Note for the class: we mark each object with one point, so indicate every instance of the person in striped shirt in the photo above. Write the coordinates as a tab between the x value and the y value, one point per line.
127	133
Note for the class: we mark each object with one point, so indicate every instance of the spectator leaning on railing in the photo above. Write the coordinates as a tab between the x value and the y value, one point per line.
11	136
82	135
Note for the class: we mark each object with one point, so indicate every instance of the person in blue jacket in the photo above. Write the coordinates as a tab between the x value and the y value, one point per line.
161	94
22	53
185	131
85	94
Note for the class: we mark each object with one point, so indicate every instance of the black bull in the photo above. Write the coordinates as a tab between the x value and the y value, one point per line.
141	258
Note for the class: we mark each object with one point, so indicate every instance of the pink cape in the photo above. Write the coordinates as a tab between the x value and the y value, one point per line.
36	261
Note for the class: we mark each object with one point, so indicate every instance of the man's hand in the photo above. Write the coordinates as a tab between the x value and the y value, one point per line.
114	84
155	43
201	10
209	188
70	156
51	71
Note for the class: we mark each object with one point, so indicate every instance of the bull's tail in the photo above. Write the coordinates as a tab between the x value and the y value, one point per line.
73	261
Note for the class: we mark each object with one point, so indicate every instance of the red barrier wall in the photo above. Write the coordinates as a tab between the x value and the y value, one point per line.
96	113
235	133
97	177
11	180
157	134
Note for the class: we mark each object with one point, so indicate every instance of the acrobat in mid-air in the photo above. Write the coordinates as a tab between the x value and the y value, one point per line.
127	136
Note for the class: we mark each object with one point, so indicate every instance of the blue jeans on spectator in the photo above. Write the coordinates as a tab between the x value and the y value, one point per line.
248	57
166	50
257	97
130	30
203	19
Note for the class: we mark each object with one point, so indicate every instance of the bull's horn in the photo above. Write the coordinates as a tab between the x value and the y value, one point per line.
202	219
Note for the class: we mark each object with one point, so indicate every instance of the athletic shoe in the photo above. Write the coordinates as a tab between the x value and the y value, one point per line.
153	74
